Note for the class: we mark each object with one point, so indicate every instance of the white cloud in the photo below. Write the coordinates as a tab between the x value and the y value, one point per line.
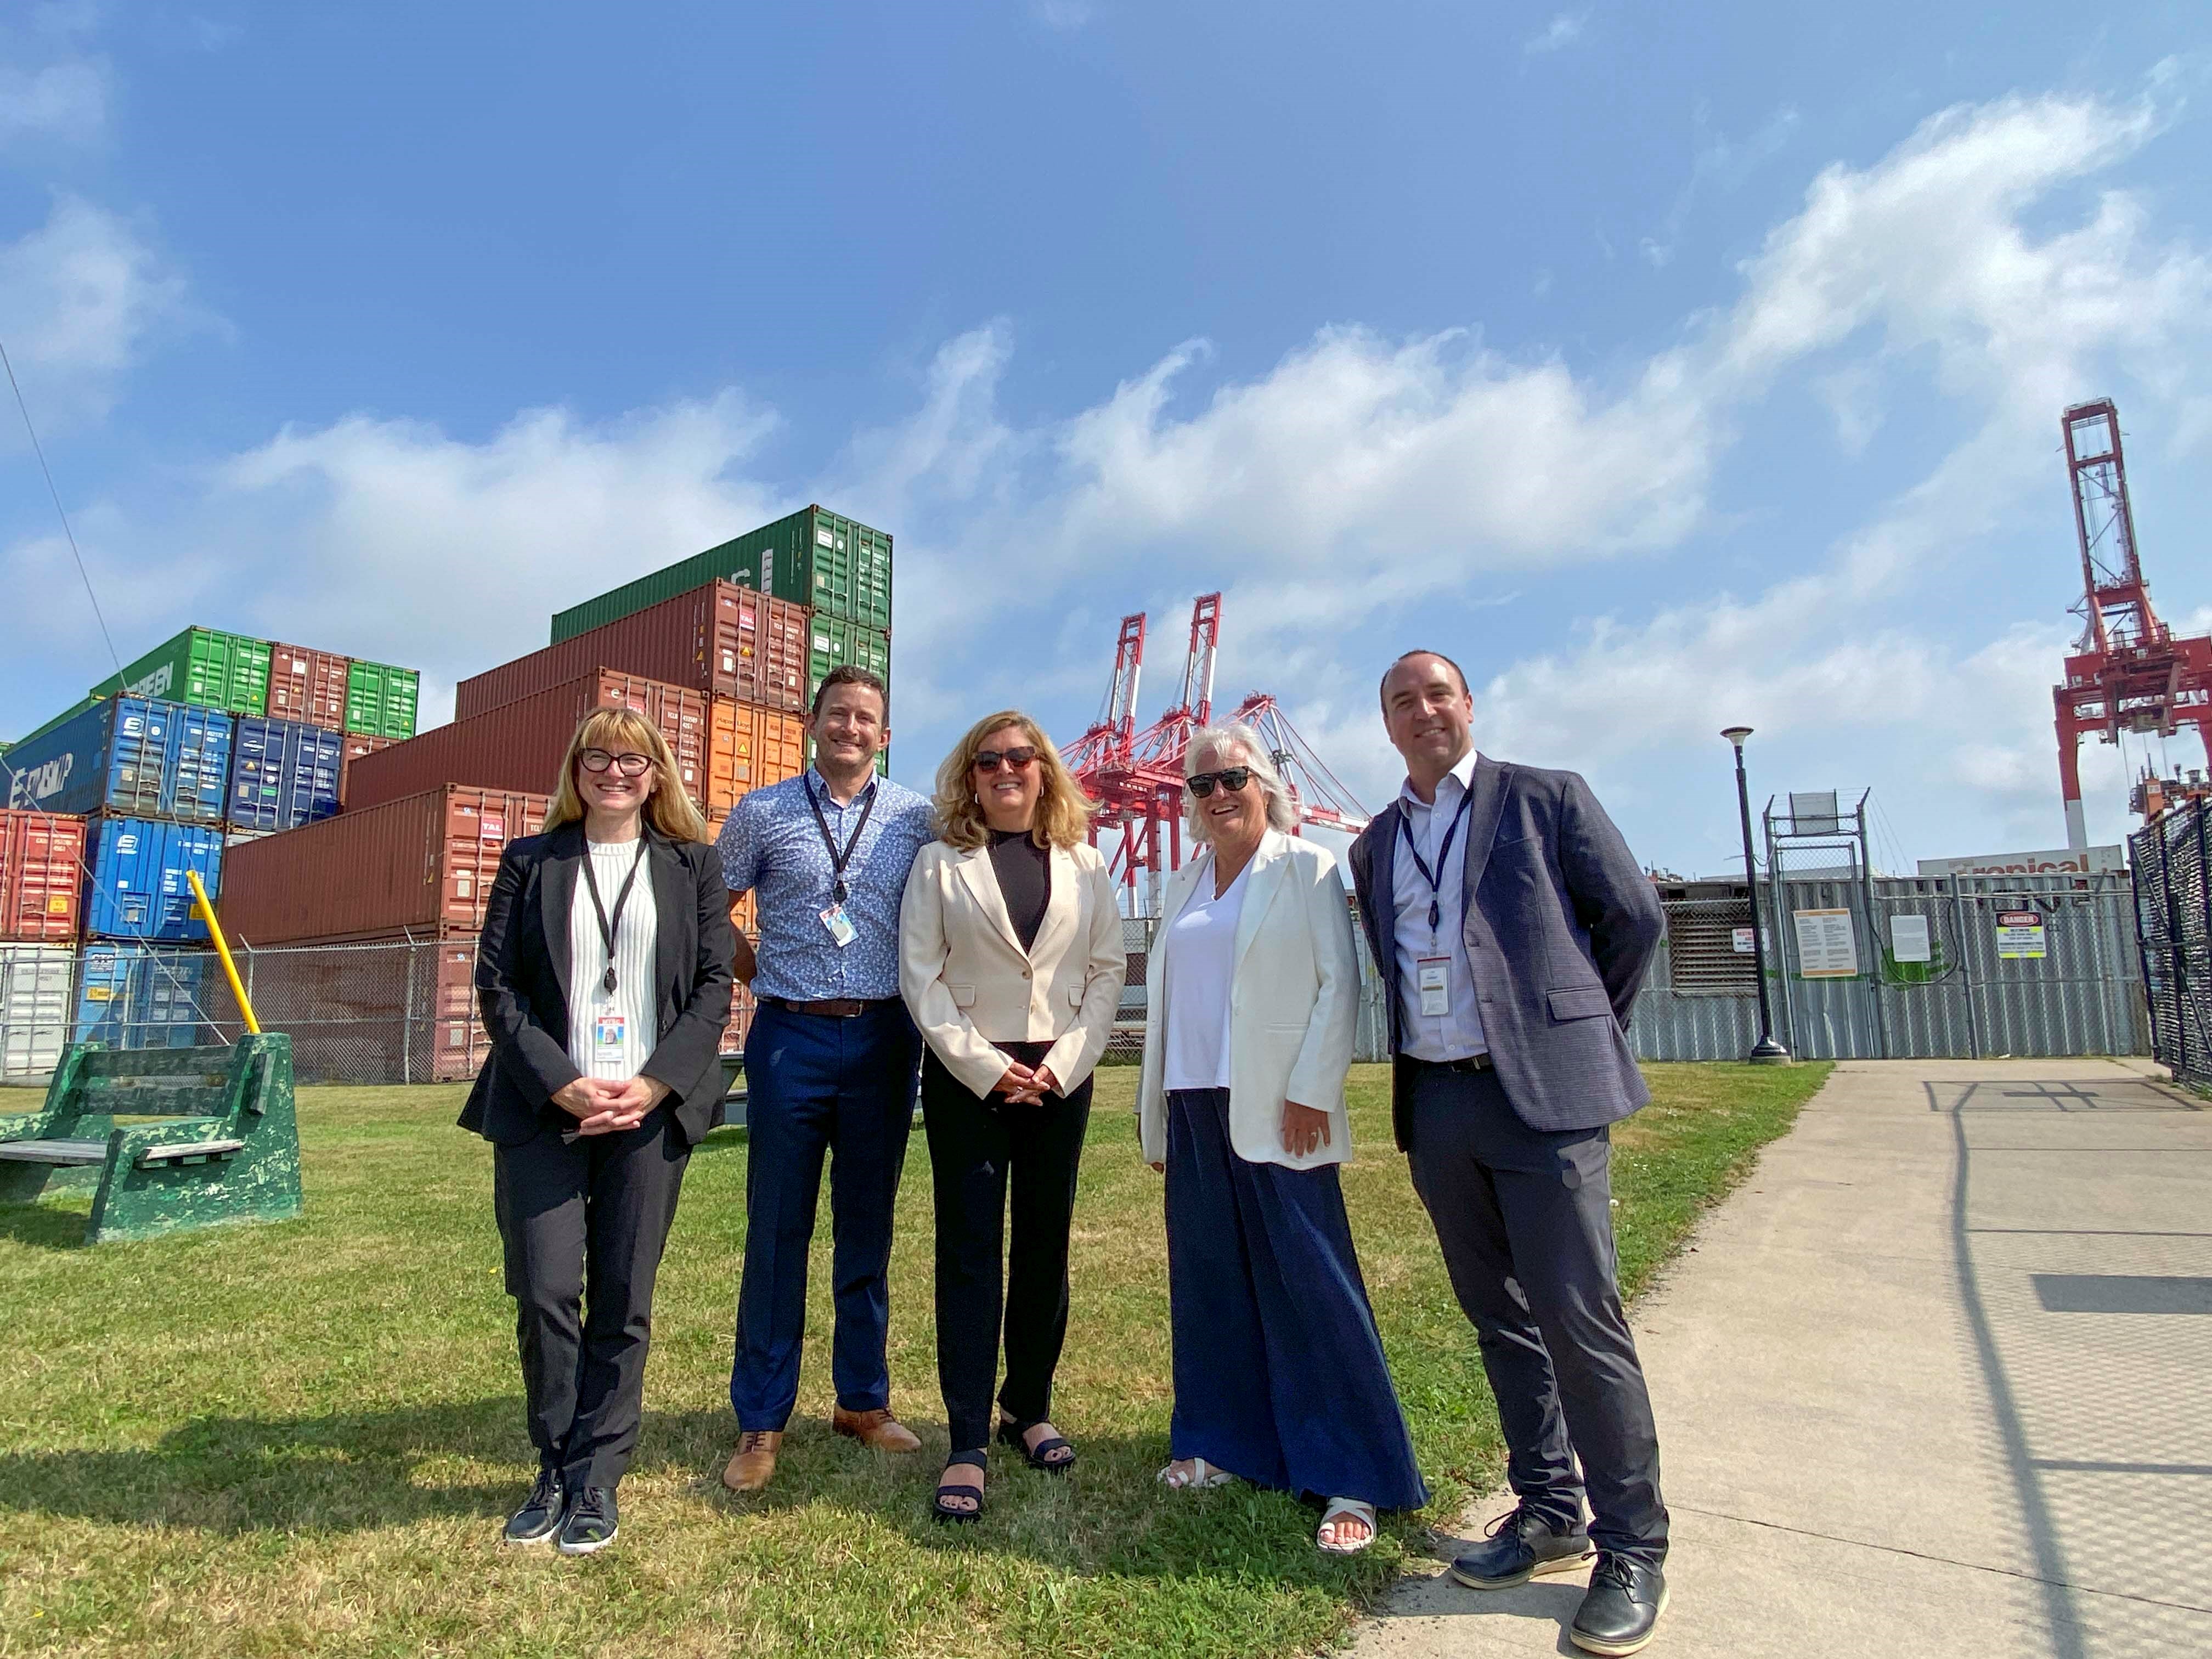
84	296
1068	14
62	100
1563	31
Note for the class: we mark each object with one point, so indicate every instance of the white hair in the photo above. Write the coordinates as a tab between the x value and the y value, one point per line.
1218	740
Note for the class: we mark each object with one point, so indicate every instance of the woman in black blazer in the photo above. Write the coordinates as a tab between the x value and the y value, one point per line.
603	975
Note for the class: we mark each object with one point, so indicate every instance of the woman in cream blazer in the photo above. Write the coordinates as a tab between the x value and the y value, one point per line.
1253	993
1011	961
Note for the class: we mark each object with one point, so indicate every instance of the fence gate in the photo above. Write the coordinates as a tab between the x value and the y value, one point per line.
2174	920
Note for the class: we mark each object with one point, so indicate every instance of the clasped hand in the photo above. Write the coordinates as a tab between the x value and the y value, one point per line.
1023	1085
603	1107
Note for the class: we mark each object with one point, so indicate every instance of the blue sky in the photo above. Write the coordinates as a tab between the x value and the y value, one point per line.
1669	371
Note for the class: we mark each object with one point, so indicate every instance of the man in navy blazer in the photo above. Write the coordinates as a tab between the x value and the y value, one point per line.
1513	927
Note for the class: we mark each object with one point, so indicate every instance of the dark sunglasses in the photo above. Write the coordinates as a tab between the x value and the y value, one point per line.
1018	760
1232	778
630	766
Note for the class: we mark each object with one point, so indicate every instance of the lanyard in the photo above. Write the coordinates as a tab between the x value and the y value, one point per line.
838	890
1443	853
609	929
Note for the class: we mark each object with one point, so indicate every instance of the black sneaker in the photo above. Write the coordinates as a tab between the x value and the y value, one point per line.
1622	1608
1522	1544
591	1523
538	1519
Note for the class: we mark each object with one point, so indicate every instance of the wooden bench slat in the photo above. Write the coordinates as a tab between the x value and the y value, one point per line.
190	1149
54	1151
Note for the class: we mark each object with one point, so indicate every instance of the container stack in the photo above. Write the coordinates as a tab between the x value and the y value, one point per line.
209	741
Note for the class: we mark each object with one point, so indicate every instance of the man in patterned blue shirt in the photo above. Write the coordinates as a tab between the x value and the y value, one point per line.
830	1068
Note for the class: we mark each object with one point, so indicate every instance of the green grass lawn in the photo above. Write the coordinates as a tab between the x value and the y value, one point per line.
303	1437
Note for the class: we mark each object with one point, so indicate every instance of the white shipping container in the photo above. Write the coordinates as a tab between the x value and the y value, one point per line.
34	1006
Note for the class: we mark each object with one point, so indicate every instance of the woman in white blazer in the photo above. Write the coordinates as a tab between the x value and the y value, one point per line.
1253	991
1010	960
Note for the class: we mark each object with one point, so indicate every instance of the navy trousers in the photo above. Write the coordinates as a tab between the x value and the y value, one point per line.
816	1086
1525	1220
1278	1369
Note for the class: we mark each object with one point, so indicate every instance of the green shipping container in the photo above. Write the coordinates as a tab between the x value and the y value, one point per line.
832	643
815	558
200	666
380	700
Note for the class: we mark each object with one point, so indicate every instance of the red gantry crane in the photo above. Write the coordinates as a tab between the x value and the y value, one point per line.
2127	672
1137	776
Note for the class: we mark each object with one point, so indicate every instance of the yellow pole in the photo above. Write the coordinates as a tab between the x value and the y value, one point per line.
205	911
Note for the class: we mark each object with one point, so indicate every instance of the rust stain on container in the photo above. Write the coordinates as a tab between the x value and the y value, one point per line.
519	746
721	638
422	865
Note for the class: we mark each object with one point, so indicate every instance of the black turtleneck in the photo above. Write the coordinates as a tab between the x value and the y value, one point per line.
1024	873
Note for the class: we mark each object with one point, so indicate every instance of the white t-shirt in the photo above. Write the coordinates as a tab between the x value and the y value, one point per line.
631	1003
1200	965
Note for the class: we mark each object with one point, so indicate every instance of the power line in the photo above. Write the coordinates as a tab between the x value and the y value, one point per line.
39	449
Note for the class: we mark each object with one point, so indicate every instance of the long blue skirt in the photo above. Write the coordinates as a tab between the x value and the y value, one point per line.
1278	1369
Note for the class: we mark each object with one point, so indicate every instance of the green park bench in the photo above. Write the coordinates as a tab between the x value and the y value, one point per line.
222	1145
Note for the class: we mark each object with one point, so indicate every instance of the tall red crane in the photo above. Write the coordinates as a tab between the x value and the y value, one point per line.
1137	776
2127	672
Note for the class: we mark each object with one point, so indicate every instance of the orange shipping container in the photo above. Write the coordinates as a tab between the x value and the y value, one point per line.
42	875
719	638
422	865
309	686
519	746
753	747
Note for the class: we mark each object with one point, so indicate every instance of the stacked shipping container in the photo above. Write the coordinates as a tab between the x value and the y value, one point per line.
41	886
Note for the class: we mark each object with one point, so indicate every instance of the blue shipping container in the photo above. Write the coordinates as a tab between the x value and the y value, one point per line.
136	996
282	774
135	755
137	889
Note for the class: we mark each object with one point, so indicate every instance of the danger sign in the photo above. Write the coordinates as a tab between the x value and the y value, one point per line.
2019	934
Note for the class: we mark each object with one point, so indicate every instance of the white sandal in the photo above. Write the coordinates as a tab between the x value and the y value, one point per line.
1349	1509
1201	1475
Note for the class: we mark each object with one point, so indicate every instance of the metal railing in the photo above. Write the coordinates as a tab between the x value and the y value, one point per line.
2173	861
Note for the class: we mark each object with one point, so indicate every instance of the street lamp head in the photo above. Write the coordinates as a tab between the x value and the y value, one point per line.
1736	734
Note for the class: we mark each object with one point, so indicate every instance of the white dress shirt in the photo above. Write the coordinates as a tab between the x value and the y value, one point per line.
1458	1034
1202	968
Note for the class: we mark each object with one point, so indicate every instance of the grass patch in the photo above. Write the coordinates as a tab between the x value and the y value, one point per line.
303	1437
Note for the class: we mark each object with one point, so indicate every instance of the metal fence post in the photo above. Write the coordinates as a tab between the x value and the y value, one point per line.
1965	968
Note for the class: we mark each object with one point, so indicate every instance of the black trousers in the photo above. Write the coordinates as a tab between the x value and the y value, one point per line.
1524	1217
586	1220
974	1147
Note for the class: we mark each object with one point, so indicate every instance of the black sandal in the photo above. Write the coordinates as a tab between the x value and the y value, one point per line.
945	1511
1016	1435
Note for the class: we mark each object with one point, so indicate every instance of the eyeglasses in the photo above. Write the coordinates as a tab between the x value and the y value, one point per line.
1017	760
1232	778
630	766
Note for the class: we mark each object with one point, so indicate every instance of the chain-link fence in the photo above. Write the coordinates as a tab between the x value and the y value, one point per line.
2173	919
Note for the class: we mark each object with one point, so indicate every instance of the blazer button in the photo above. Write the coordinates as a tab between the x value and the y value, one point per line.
1025	973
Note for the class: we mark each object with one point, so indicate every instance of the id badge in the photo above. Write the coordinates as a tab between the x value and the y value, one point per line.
839	925
608	1030
1435	985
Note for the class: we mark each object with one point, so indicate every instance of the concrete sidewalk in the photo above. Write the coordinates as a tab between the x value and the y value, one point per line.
1936	1381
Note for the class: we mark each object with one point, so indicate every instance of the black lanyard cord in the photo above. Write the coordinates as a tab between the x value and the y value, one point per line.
1443	853
838	890
610	929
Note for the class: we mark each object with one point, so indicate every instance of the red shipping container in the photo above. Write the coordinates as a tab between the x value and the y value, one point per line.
721	638
519	746
309	686
422	865
358	744
42	875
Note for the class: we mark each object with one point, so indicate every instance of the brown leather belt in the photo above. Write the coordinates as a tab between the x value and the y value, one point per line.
834	1008
1471	1063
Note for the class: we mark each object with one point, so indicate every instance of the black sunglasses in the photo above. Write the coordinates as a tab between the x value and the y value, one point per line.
1232	778
1018	760
630	766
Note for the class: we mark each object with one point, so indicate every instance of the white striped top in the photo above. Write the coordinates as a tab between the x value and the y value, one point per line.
587	955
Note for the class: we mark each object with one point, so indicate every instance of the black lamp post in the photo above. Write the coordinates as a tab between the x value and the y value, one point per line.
1766	1051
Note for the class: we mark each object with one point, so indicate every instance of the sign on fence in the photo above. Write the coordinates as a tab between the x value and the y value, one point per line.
2020	935
1827	948
1743	942
1908	937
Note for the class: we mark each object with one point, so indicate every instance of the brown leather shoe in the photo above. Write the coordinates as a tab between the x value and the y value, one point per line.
878	1430
753	1465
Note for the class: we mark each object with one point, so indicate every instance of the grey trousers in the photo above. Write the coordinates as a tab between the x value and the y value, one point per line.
1524	1219
586	1220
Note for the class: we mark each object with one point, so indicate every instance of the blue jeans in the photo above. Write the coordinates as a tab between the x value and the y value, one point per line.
816	1085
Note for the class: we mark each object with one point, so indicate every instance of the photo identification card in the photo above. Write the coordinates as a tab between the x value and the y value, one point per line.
1435	985
608	1030
839	925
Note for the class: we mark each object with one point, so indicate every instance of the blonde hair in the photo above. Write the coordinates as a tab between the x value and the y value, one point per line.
1063	812
620	731
1218	741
